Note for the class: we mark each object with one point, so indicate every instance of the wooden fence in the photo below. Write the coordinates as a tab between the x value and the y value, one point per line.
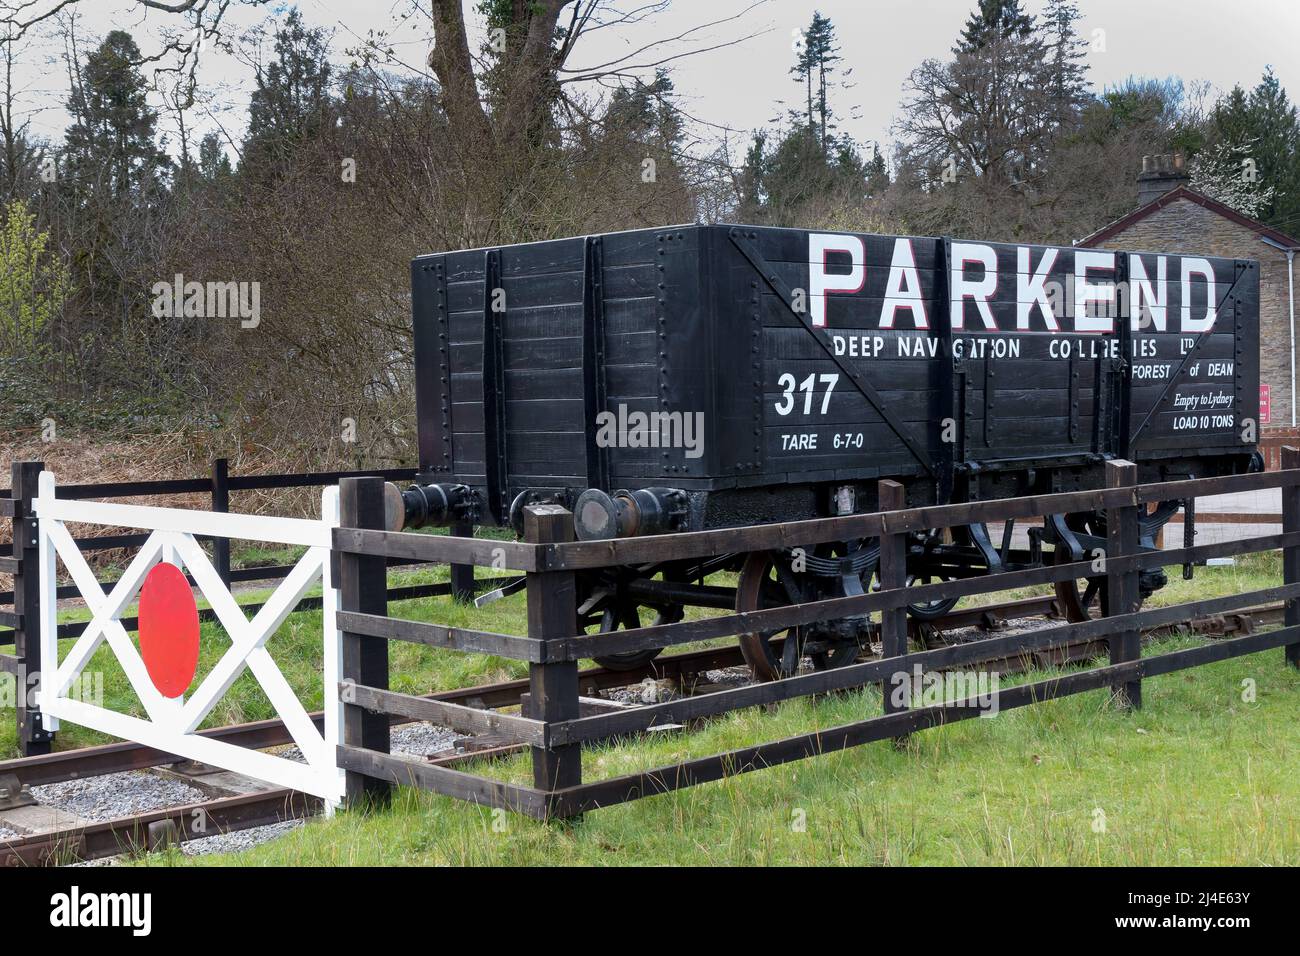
555	725
555	728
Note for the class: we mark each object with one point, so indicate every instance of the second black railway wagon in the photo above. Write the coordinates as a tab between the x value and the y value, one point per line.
774	367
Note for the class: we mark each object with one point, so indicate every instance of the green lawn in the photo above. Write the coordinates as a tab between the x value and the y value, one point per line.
1204	774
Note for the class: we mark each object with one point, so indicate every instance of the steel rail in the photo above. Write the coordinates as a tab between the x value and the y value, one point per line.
158	828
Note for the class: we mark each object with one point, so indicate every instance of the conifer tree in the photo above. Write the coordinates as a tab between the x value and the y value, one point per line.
110	147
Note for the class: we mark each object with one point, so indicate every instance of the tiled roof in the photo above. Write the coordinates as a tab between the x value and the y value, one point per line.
1182	192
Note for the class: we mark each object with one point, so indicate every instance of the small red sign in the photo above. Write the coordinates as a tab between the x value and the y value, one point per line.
169	629
1265	405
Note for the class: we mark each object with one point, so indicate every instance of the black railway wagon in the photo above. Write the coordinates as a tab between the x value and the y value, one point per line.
703	376
778	363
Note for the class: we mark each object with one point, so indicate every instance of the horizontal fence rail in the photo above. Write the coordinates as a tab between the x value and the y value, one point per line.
579	555
181	486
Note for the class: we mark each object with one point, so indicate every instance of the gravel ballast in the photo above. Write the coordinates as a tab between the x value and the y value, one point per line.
422	739
117	795
239	840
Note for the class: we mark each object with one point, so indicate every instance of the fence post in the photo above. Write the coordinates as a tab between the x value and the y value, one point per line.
1291	553
363	587
891	496
221	504
553	613
462	575
1122	586
33	738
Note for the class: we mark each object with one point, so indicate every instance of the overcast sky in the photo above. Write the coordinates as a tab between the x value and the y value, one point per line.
741	87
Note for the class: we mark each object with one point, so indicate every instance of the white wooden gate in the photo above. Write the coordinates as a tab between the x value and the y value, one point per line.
174	713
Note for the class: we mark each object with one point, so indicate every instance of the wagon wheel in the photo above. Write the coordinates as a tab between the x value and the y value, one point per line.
765	584
929	610
926	610
1079	599
624	614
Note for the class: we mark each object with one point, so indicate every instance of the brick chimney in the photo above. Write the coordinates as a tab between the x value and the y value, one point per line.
1159	175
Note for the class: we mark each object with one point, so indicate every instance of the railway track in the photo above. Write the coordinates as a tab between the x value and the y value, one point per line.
687	671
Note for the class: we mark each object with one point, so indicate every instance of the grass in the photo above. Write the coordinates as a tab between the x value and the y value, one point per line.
1203	775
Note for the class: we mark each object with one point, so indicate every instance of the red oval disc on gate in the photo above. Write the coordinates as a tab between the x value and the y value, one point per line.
169	629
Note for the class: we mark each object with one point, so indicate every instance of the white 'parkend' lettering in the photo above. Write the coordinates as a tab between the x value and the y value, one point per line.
974	275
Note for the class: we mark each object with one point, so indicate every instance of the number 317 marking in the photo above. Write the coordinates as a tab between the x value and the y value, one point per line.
787	384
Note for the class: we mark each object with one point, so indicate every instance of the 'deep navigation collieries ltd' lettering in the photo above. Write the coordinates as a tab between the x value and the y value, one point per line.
919	345
1040	291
